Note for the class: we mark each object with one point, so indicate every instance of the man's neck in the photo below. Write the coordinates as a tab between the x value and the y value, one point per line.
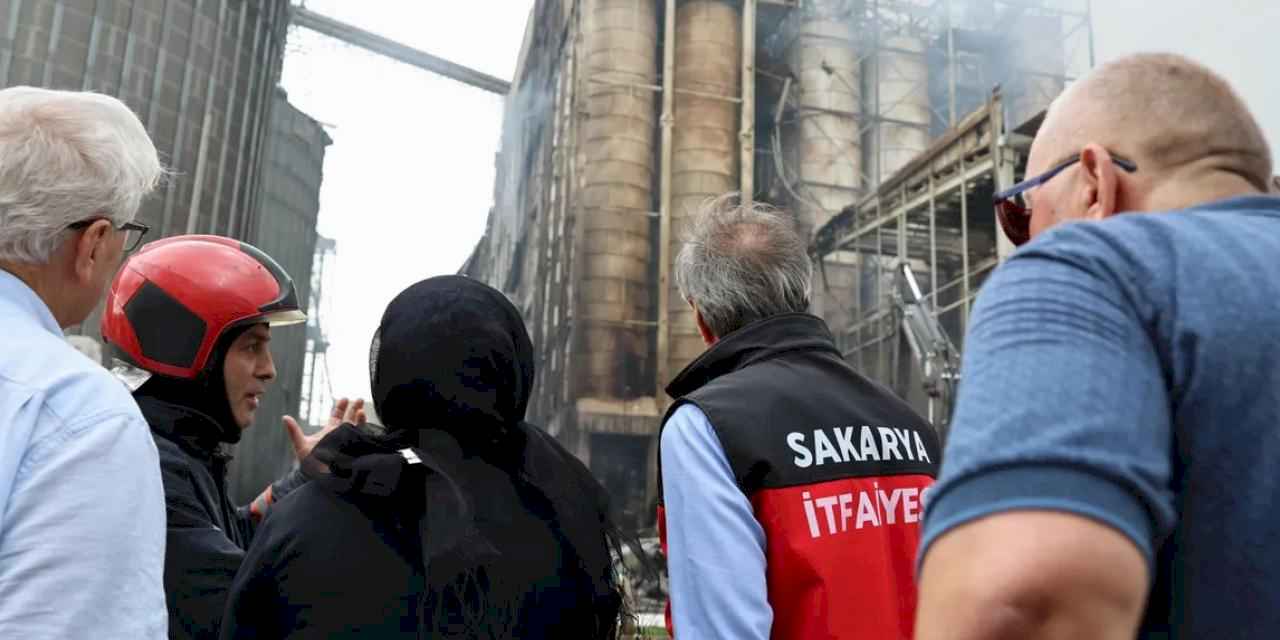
1182	192
42	283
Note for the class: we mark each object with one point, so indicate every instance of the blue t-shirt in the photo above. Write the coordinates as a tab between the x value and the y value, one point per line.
1128	370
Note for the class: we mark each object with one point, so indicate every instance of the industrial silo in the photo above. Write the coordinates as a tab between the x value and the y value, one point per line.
824	142
198	73
286	230
617	195
704	162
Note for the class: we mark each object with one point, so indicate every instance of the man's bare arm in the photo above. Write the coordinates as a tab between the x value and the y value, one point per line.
1032	575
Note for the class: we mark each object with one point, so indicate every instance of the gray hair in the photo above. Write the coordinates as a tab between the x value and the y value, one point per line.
67	156
743	263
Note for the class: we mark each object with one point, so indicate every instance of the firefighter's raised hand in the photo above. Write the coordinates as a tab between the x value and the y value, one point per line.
344	411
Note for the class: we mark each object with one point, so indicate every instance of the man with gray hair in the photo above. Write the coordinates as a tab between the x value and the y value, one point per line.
1111	466
792	485
82	515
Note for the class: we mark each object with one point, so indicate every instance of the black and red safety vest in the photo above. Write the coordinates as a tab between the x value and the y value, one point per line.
836	468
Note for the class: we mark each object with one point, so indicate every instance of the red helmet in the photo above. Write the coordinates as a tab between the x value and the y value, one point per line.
172	300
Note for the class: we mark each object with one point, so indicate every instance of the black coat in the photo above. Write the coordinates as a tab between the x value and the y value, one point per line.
207	532
330	565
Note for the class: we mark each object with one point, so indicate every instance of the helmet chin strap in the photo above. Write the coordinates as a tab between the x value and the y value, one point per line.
132	377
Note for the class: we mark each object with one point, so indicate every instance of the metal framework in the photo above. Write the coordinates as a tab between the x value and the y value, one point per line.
384	46
1000	62
317	387
927	208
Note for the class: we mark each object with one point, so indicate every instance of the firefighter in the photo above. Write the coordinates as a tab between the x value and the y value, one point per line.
792	485
192	316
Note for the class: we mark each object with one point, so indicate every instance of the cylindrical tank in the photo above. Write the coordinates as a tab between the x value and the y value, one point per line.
826	142
904	102
616	196
292	169
199	73
704	164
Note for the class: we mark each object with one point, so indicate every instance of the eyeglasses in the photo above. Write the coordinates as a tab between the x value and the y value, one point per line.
1012	210
134	231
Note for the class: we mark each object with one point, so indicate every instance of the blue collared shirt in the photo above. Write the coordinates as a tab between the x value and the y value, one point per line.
82	515
715	545
1128	371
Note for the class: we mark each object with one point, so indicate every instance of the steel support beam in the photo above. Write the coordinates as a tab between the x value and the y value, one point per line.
663	341
747	134
392	49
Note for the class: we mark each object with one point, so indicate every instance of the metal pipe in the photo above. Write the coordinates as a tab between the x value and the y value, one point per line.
746	170
933	237
408	55
576	230
181	134
11	44
226	124
238	200
91	60
193	211
55	33
1088	12
951	64
157	80
123	79
664	195
266	110
658	89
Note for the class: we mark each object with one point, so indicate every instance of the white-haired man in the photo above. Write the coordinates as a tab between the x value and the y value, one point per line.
82	516
792	485
1111	467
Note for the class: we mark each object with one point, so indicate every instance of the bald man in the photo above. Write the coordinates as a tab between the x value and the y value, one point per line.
1113	469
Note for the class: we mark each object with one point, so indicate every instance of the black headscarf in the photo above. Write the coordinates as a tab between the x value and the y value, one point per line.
505	516
206	394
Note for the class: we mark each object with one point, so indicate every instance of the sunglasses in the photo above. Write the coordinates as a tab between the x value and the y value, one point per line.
134	230
1011	207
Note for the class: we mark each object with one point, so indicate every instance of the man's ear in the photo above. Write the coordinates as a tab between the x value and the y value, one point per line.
1099	182
707	335
90	249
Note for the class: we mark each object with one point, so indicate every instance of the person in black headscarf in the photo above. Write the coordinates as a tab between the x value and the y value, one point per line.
458	520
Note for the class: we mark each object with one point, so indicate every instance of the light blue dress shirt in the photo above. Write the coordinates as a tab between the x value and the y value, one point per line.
715	545
82	515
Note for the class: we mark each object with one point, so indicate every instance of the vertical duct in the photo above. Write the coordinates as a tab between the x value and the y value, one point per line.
826	142
904	102
708	69
616	197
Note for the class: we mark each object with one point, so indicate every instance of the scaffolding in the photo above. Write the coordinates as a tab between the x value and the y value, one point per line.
951	92
317	387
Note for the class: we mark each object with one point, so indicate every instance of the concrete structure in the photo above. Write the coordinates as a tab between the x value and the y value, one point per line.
201	74
198	72
286	230
704	162
875	122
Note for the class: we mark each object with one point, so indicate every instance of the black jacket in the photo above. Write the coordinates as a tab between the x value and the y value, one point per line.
361	573
207	533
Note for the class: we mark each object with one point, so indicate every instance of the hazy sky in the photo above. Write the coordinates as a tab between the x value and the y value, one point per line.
409	179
